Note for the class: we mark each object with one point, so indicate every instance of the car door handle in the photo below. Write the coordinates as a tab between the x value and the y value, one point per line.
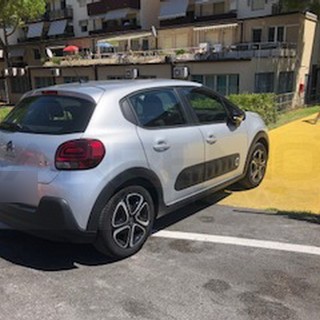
211	139
161	146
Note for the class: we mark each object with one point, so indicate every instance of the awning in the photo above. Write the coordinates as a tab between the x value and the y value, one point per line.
216	27
35	30
57	27
57	47
119	13
171	9
104	45
16	52
128	36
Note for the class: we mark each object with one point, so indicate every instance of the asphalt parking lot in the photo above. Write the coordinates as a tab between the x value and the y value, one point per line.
171	277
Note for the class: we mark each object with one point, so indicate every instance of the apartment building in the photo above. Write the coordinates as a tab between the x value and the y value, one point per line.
232	46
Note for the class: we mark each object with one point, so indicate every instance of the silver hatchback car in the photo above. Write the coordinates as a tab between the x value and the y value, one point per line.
98	162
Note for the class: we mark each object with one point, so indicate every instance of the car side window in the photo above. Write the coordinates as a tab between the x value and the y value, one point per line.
208	108
158	108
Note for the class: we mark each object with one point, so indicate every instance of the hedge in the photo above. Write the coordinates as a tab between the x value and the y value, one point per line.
263	104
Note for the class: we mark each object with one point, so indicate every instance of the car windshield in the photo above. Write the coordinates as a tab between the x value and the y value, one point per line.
49	115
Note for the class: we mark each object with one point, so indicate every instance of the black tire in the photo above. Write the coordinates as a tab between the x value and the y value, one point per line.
256	169
125	222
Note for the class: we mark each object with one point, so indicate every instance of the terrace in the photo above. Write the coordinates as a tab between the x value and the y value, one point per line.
203	52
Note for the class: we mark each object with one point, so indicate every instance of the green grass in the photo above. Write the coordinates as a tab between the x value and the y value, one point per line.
294	115
4	111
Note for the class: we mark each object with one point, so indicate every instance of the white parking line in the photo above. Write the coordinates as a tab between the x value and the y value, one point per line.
271	245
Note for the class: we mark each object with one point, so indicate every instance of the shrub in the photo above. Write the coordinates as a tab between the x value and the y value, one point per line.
180	52
56	60
263	104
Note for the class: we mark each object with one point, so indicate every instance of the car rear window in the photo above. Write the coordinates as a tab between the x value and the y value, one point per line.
49	115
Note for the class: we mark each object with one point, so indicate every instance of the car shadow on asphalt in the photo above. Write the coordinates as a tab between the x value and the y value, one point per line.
187	211
39	254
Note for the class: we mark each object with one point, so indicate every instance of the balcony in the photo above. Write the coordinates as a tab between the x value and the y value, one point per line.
102	7
107	28
66	13
192	18
201	53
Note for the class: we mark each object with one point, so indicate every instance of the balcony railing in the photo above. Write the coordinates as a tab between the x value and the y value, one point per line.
66	13
264	50
110	29
192	18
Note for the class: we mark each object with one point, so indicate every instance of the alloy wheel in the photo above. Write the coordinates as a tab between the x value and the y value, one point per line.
258	166
130	221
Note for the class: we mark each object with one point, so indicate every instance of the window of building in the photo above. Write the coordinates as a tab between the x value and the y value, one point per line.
264	82
42	82
233	84
20	84
2	84
286	82
276	34
158	108
256	35
75	79
83	25
147	77
116	78
208	108
224	84
257	5
209	9
63	4
82	3
199	78
36	54
218	8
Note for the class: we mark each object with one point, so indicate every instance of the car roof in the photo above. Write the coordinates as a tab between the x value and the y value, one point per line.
95	89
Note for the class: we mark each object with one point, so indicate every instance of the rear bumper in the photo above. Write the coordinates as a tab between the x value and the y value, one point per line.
52	219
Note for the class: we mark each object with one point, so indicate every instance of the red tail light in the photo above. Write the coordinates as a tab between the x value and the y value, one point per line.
79	154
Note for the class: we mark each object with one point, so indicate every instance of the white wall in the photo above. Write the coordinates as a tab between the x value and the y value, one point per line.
80	12
245	8
12	39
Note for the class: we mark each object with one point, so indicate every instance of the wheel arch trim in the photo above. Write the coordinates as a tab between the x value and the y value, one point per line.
142	176
261	135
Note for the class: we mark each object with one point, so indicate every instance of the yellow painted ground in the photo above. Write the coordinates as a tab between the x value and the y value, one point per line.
292	182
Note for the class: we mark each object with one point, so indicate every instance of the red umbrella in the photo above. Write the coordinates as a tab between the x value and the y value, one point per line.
71	49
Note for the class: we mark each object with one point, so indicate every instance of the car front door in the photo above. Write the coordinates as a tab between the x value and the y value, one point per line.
172	146
225	143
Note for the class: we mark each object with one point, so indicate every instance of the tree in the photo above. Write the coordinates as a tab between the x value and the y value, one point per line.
302	5
14	14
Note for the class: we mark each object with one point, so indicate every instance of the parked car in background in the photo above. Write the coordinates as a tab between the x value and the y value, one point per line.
107	158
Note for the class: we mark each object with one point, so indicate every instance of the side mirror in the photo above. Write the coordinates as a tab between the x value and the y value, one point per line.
237	118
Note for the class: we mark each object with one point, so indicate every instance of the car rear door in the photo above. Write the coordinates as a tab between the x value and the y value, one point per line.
174	149
225	144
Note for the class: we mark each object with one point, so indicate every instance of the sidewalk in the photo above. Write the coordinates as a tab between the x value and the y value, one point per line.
292	182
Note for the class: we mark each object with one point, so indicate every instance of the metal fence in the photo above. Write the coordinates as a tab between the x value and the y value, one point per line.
288	101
